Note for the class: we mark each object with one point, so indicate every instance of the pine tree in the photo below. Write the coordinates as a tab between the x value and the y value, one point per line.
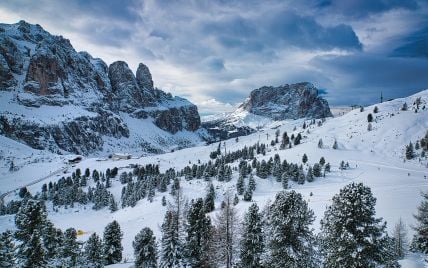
23	192
322	161
172	243
7	250
87	173
310	175
335	145
112	204
327	168
410	153
285	180
263	170
420	238
93	251
316	170
235	200
112	250
33	254
290	240
400	239
70	248
175	186
252	183
375	110
351	235
209	199
198	238
297	139
304	158
228	174
240	187
108	182
300	176
95	175
29	221
252	239
220	173
145	249
52	240
320	144
248	195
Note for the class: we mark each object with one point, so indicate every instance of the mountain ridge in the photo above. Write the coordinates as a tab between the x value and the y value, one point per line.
39	70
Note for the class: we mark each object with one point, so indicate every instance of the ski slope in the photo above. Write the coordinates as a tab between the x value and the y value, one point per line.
376	158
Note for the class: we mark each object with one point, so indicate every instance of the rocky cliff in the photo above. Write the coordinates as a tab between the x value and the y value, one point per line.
292	101
53	97
268	104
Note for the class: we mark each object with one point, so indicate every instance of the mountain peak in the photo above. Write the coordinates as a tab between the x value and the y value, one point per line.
42	72
144	77
289	101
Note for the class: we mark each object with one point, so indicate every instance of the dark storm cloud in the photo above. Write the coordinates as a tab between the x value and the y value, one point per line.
415	45
363	8
123	9
217	51
363	77
279	29
107	23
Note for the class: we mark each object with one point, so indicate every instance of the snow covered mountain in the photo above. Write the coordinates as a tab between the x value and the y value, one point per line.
267	105
55	98
376	156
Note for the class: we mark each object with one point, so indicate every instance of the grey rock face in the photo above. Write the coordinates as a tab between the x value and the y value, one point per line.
144	77
67	136
178	119
45	70
287	102
7	81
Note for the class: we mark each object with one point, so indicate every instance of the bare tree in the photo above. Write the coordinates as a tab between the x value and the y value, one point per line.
226	233
400	238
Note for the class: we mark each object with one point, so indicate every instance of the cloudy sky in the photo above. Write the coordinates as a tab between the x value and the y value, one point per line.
215	52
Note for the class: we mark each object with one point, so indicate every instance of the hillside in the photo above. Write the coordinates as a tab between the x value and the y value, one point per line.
376	158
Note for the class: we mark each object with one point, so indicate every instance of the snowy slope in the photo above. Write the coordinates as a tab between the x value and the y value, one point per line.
376	158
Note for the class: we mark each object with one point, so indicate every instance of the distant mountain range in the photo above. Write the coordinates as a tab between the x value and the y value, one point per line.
55	98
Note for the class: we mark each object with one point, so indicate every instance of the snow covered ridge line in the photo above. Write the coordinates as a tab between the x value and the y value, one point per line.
55	98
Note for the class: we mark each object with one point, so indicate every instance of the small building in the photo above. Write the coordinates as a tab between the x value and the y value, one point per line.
75	160
119	156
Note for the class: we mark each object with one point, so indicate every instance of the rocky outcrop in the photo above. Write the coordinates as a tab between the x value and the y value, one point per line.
7	81
44	70
178	119
144	77
265	104
292	101
67	136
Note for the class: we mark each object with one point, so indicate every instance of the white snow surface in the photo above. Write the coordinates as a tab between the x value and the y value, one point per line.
376	158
